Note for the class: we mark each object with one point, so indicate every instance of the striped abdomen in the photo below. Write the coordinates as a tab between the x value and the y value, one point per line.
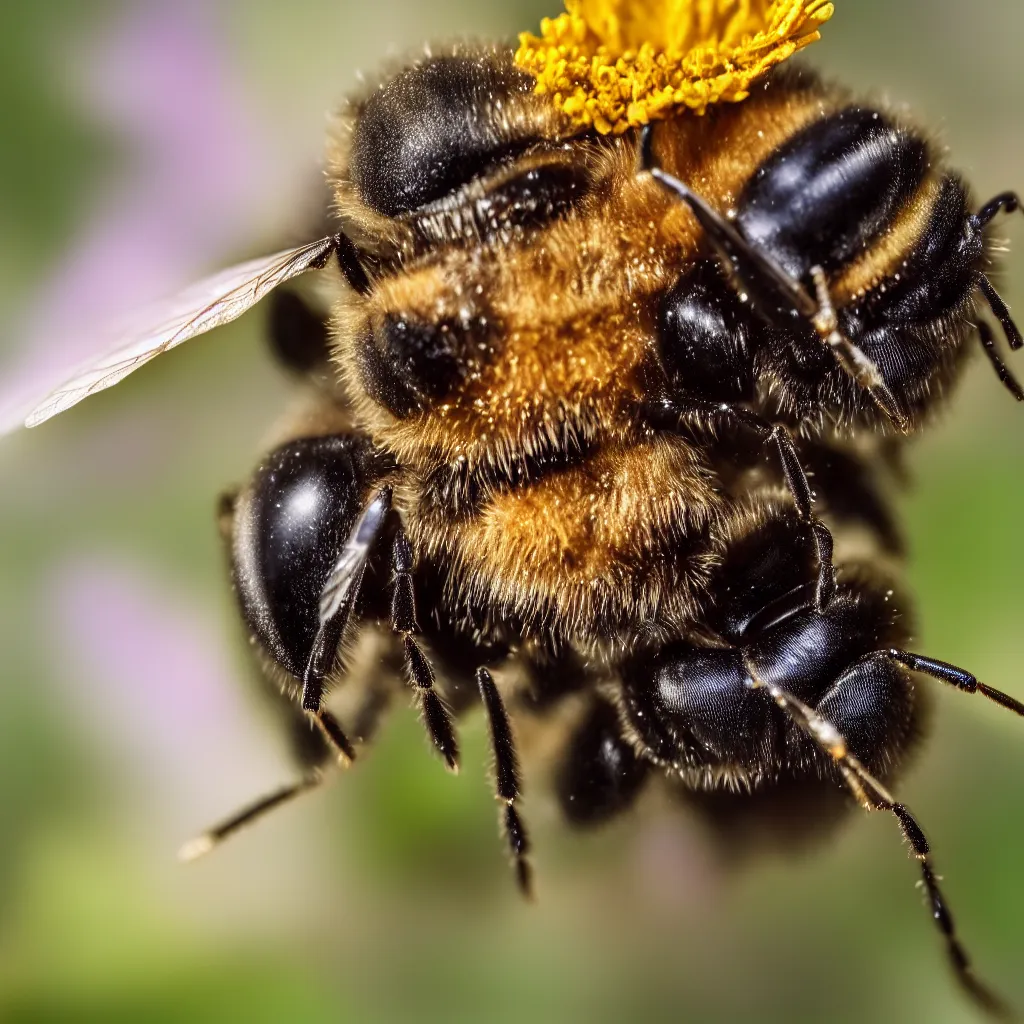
859	195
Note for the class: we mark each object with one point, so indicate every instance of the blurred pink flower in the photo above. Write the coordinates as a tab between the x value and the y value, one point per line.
194	191
149	684
150	679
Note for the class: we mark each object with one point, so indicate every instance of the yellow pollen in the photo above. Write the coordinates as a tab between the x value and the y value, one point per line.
619	64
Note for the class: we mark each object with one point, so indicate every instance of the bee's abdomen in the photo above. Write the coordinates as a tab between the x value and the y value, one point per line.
939	263
867	199
832	190
613	536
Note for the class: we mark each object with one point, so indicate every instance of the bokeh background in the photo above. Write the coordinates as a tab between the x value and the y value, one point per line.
147	142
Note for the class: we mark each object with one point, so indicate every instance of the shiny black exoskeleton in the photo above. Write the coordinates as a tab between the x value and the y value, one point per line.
705	711
310	539
290	523
773	706
783	677
824	205
773	692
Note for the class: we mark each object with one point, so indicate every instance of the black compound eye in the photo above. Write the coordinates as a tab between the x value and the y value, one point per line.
289	525
702	337
822	197
425	355
435	127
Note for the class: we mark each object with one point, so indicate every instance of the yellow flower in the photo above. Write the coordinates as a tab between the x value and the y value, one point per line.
617	64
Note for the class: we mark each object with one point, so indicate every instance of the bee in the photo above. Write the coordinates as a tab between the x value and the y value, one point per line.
536	451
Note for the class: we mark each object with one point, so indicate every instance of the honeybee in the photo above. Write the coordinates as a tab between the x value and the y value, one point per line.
555	363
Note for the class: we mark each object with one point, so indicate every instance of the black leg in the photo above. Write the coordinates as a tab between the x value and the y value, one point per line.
958	677
403	621
204	843
825	586
316	769
336	602
298	335
796	479
772	289
339	596
350	261
872	795
1001	312
988	343
507	786
854	360
1005	202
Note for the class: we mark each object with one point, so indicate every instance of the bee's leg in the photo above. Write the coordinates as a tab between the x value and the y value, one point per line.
953	676
773	290
420	672
853	360
315	755
298	334
796	478
1001	312
336	602
332	624
1005	202
225	516
800	488
507	785
762	278
872	795
214	836
988	343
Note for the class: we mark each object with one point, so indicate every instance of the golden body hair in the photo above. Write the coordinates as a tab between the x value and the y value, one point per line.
533	483
581	385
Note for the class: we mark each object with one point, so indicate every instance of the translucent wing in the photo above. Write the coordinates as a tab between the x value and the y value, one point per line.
216	300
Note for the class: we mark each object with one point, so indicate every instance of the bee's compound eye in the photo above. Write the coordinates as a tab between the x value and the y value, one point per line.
435	127
289	524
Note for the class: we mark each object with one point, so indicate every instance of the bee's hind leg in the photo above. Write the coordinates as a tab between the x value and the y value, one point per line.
507	784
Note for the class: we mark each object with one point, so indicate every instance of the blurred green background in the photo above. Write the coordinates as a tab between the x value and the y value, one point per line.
145	143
